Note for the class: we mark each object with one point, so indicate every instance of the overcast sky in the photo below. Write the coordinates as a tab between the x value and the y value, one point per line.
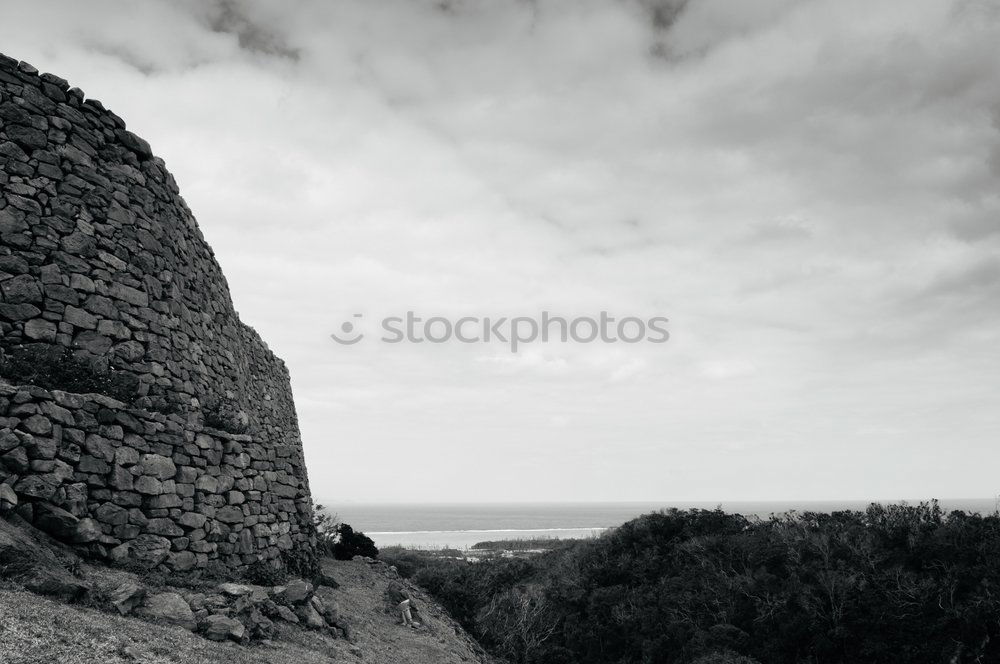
807	190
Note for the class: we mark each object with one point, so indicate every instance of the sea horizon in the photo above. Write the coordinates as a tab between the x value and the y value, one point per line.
436	525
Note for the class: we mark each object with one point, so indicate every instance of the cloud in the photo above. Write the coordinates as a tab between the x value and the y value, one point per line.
806	189
228	16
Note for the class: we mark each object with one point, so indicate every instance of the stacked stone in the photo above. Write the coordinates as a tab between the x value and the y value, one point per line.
236	612
99	254
132	484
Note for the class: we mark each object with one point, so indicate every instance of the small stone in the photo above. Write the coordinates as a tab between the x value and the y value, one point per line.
207	483
164	526
310	617
81	282
126	456
192	520
17	312
55	521
287	614
149	550
297	591
164	501
230	514
79	318
11	221
158	466
134	143
87	530
40	329
91	464
235	589
16	460
38	425
128	294
147	485
122	479
39	447
58	413
92	342
111	514
182	561
259	626
331	612
37	486
8	440
67	399
324	579
126	597
78	244
8	499
22	288
27	137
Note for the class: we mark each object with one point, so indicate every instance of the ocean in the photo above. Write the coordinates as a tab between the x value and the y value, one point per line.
459	526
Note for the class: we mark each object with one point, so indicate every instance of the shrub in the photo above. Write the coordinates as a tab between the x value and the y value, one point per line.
350	543
325	527
225	414
301	563
406	562
265	573
339	539
59	368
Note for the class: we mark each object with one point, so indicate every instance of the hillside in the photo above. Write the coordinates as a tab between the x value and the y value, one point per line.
39	630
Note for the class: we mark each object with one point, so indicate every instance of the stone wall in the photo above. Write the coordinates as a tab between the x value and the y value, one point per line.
99	255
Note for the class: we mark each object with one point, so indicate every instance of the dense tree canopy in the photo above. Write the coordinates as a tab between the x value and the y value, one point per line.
892	584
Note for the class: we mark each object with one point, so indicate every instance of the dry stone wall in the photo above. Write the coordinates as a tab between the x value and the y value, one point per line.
106	279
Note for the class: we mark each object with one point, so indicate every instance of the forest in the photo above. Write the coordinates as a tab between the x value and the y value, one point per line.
894	583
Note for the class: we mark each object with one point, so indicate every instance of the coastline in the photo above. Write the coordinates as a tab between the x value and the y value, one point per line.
459	526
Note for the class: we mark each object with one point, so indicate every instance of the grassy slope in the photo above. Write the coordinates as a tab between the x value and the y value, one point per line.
35	630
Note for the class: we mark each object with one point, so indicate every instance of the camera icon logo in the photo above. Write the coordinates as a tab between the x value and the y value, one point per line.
347	328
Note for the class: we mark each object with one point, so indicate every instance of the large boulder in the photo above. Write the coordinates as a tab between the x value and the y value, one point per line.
296	592
28	558
220	628
329	608
259	626
168	608
309	616
146	551
87	530
8	499
55	521
235	589
126	597
324	579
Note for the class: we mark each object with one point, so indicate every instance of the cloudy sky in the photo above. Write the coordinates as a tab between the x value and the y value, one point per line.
807	190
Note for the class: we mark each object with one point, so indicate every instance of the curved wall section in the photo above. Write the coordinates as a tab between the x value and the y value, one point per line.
189	440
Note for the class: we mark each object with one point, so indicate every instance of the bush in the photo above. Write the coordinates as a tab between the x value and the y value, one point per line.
225	414
325	528
350	544
339	539
406	562
59	368
265	573
300	562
